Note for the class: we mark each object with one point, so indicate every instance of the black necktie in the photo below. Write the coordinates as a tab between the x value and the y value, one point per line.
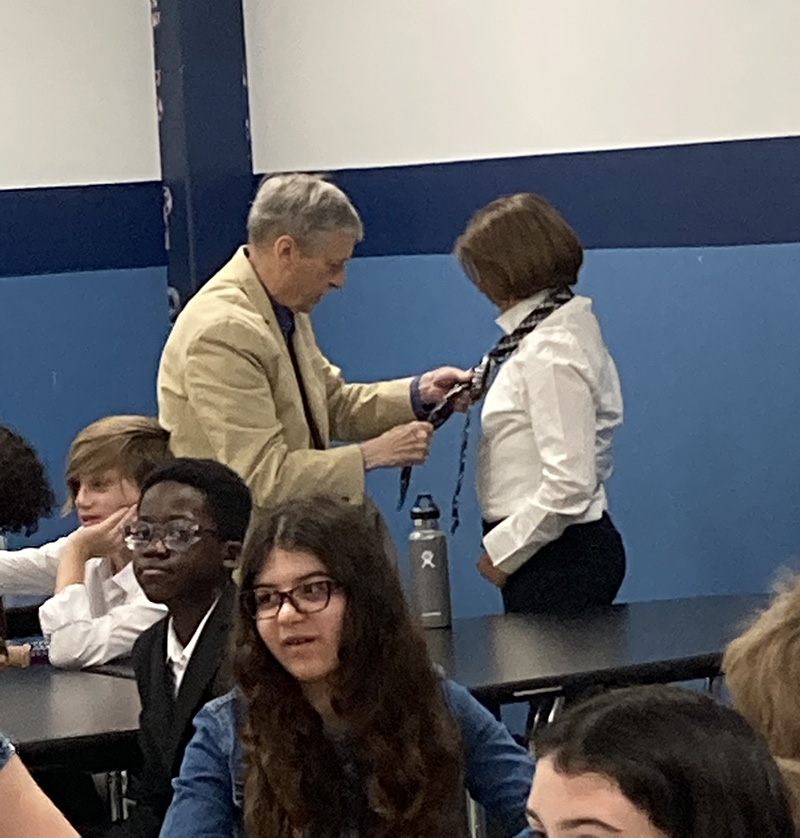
482	376
316	436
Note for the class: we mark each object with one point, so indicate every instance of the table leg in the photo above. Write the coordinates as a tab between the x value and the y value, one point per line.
115	783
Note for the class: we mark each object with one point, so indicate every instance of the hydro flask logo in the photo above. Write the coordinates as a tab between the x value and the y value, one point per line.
427	557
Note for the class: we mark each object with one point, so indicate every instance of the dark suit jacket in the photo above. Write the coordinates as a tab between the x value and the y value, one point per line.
165	723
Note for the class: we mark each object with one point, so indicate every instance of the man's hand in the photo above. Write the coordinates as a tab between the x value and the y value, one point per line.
436	384
490	572
405	445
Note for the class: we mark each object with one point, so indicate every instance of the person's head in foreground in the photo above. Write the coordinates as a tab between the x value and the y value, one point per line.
25	493
762	671
656	762
326	650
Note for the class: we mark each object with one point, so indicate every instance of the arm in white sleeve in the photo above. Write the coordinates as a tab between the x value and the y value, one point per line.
31	570
562	412
86	631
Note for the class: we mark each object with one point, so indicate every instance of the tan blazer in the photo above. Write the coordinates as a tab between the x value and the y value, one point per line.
227	391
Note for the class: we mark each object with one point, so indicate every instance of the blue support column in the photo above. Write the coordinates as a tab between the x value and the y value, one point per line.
206	161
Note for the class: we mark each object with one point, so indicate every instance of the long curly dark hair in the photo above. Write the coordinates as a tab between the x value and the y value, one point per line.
405	743
25	493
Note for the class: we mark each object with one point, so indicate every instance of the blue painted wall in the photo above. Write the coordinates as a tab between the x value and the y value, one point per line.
73	348
705	338
708	460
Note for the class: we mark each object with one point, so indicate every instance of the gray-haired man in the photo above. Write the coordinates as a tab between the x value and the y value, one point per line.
242	380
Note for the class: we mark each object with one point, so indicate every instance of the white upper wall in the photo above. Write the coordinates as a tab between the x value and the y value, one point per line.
356	83
77	93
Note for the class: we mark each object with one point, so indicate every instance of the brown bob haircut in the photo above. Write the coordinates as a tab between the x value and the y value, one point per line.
762	671
133	445
518	245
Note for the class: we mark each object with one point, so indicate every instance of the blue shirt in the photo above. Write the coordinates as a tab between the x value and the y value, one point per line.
285	317
209	791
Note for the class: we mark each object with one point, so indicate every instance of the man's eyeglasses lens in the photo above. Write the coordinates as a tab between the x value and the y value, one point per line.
175	535
308	598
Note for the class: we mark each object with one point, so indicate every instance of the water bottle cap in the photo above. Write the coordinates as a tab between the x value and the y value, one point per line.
427	512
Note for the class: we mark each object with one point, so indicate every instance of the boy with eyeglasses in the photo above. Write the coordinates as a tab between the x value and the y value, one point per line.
185	539
97	609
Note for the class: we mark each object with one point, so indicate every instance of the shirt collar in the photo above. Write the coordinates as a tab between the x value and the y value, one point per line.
284	315
510	319
176	652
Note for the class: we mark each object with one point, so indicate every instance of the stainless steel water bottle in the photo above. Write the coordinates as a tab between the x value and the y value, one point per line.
430	573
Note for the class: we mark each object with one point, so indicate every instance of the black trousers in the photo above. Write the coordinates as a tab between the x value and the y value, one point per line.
581	569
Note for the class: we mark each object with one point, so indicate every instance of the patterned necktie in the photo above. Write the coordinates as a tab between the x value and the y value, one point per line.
482	376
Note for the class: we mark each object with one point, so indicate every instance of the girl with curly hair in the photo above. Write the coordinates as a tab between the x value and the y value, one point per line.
340	725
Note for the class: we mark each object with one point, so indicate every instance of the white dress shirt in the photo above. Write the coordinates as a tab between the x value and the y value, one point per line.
31	570
98	621
178	655
546	429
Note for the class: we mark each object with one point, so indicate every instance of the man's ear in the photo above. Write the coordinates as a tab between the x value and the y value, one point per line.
284	247
233	549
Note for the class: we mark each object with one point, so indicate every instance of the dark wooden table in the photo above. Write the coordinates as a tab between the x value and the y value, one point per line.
88	721
61	719
507	658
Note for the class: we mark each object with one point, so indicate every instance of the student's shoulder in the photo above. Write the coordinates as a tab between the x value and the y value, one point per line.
220	718
459	698
148	643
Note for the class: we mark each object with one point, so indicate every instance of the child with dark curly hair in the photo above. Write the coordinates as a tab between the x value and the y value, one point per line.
25	493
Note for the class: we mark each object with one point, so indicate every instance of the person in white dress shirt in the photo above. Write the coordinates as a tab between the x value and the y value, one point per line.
548	417
97	608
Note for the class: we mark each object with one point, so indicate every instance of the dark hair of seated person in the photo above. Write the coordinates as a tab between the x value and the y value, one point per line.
385	690
227	496
25	493
695	767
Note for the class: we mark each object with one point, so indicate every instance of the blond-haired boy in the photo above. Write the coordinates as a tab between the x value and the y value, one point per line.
97	609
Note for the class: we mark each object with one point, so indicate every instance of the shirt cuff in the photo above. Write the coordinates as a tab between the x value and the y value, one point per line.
421	409
503	553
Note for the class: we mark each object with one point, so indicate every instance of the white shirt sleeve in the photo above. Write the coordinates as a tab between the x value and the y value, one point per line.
31	570
96	622
558	398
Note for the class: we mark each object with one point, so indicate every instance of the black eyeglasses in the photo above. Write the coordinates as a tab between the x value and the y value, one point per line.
263	603
176	536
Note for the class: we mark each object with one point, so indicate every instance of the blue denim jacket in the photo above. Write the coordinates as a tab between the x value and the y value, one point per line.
209	790
6	751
